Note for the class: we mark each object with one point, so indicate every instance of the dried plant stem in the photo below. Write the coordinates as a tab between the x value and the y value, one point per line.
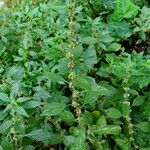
71	65
127	117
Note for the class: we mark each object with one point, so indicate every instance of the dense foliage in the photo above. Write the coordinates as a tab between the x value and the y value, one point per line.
75	75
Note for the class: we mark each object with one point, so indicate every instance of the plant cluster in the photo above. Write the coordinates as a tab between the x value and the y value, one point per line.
74	75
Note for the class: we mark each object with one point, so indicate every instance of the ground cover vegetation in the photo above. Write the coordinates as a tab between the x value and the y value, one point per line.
74	75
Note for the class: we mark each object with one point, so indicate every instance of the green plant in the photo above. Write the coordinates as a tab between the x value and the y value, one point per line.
66	79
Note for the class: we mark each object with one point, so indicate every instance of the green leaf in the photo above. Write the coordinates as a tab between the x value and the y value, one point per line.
101	122
4	97
138	101
108	130
1	148
39	135
113	113
54	77
22	99
123	143
124	9
144	126
33	12
53	109
126	109
79	142
91	97
119	30
68	117
5	126
103	91
82	83
6	144
114	47
89	40
14	90
32	104
21	111
68	140
90	56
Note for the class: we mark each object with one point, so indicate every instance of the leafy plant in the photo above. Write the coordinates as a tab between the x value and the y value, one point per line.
67	80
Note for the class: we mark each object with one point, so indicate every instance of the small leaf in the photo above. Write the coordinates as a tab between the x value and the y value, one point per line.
108	130
68	140
53	109
21	111
114	47
126	109
101	122
4	97
138	101
68	117
113	113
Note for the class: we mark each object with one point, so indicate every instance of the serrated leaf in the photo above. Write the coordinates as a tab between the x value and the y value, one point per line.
4	97
53	109
113	113
21	111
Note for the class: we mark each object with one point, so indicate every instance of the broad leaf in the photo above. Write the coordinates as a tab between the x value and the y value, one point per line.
21	111
144	126
53	109
138	101
113	113
54	77
5	126
4	97
124	9
39	135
